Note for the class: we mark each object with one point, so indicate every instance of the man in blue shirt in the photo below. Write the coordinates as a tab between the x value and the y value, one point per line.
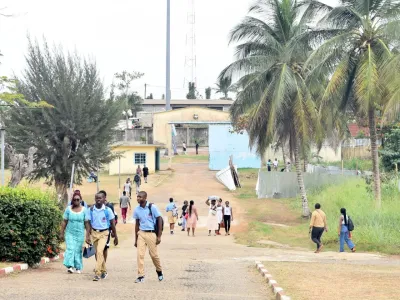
101	219
148	232
172	213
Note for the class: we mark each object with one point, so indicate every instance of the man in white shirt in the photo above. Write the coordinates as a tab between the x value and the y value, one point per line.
275	165
128	187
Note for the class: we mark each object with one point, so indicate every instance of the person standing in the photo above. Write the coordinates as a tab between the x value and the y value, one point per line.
138	181
317	226
139	171
275	165
192	219
75	221
148	230
124	203
128	187
228	217
184	147
101	220
212	220
220	215
145	173
172	213
183	216
197	148
269	165
344	232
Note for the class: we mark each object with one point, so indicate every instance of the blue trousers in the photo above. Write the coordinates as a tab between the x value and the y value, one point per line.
184	223
344	238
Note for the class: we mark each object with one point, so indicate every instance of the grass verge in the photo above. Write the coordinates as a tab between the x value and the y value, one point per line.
186	159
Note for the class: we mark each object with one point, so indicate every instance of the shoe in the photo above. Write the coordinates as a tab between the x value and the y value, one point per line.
104	275
160	276
139	279
96	278
78	272
353	250
70	270
183	230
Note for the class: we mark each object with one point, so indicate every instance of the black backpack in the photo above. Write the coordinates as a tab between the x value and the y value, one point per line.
350	224
137	178
155	223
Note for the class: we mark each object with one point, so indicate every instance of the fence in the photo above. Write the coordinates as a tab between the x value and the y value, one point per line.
139	135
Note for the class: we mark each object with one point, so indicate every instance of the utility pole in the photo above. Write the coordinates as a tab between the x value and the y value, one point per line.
73	171
168	60
145	90
2	132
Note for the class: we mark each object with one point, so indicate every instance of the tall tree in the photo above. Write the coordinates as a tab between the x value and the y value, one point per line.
208	93
150	96
80	126
357	37
192	91
224	86
274	92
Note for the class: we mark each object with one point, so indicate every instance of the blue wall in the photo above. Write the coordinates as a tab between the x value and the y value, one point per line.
222	144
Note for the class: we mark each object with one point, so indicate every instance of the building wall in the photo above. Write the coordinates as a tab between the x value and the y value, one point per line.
162	130
128	165
191	135
223	144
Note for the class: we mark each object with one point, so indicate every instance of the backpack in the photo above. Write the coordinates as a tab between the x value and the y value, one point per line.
137	178
155	223
350	224
106	214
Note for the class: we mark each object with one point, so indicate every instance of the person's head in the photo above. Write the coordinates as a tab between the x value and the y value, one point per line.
138	166
343	211
269	160
76	199
124	193
276	159
105	195
317	206
191	202
142	197
185	202
171	200
99	199
227	203
127	180
213	202
220	202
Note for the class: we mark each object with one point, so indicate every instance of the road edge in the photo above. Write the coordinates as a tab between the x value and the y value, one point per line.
23	267
276	289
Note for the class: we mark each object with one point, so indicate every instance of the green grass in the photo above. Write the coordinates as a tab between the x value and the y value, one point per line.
351	164
186	158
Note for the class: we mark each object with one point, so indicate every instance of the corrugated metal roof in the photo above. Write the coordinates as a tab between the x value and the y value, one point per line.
188	102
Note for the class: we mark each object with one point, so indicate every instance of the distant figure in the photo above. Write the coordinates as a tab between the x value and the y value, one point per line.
184	148
344	232
220	215
172	213
228	217
93	176
288	166
128	187
184	212
197	148
139	171
212	221
275	165
192	219
138	182
123	204
269	163
317	226
145	173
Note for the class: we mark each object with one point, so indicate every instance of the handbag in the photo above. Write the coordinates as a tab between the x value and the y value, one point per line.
186	216
89	251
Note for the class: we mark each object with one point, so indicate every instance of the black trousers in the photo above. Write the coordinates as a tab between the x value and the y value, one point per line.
227	222
316	234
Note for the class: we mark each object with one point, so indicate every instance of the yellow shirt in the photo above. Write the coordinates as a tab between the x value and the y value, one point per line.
318	219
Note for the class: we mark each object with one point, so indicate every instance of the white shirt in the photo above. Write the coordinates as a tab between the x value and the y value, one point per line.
227	210
275	163
127	187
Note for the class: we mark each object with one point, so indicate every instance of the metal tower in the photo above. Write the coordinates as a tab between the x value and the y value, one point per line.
190	58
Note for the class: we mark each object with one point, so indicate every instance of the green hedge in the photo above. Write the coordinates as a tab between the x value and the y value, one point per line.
29	225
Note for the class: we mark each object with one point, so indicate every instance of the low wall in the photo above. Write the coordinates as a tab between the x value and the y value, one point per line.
191	135
356	152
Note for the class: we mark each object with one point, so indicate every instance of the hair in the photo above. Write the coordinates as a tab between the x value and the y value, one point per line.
317	206
171	199
103	192
220	200
76	193
124	193
269	160
143	193
185	202
343	212
190	207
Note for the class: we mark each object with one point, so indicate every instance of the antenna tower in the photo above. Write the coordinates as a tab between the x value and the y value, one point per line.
190	58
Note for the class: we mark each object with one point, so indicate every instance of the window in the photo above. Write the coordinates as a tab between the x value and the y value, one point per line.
140	158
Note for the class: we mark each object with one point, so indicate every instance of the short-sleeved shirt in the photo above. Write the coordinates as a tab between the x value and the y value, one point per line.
170	207
124	200
127	187
99	220
145	171
146	220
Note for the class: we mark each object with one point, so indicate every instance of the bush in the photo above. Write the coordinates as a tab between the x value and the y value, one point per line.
29	225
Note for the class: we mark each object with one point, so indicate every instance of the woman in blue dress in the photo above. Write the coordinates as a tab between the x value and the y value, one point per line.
76	219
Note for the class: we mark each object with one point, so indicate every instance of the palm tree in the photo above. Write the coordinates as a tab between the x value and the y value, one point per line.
274	92
224	86
356	40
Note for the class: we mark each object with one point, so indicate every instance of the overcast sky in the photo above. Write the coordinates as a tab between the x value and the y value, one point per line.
125	35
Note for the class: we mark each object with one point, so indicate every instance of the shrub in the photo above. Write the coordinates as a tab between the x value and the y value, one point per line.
29	225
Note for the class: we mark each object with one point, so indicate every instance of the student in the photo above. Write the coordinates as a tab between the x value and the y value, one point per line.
101	220
124	202
138	181
145	173
212	220
228	217
269	163
275	165
148	230
344	232
139	171
128	187
317	226
172	214
184	212
184	147
192	219
197	148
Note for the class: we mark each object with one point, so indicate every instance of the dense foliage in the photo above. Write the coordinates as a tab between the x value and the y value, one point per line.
29	225
390	154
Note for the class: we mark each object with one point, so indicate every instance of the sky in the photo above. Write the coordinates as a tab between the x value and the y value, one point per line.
125	35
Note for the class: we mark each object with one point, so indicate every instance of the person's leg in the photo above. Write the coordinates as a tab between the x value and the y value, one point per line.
99	241
145	179
342	234
320	232
141	251
348	241
229	224
314	236
151	240
209	232
219	228
188	231
226	223
184	223
193	229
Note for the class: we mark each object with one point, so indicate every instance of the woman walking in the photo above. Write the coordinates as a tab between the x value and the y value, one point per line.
192	219
73	229
212	221
228	217
344	231
184	212
220	215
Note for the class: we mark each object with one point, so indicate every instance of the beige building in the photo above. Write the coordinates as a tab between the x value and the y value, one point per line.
191	116
133	154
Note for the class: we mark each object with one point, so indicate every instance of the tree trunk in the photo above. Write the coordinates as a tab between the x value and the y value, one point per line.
375	157
300	181
305	164
62	192
283	155
127	126
21	165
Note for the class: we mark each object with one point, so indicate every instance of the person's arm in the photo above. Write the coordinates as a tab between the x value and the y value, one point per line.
312	220
340	224
88	229
159	221
114	232
120	201
231	214
208	202
63	226
136	231
129	203
195	212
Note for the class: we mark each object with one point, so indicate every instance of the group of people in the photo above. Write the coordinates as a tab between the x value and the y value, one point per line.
96	225
184	148
137	180
274	165
319	224
218	215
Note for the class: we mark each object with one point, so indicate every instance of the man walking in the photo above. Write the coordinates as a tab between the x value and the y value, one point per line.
145	173
317	226
124	202
138	181
128	187
184	148
197	148
101	219
148	232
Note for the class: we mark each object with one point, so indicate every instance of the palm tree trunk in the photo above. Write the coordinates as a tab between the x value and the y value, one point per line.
300	180
375	157
284	155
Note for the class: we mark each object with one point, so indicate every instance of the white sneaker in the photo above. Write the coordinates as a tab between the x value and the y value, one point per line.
70	270
78	272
